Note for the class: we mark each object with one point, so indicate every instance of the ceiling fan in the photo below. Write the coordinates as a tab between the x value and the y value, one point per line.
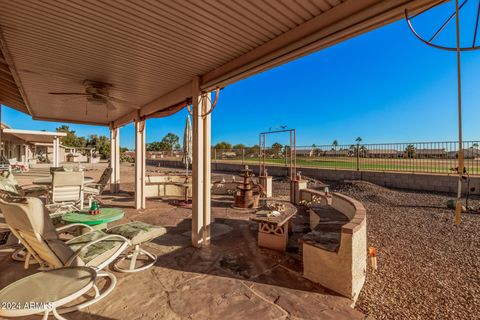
98	93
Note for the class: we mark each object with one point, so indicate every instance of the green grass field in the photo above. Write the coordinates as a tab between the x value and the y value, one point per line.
374	164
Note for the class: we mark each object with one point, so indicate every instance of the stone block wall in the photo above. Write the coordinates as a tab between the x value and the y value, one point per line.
402	180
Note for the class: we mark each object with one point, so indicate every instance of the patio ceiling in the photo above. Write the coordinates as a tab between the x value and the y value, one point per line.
151	50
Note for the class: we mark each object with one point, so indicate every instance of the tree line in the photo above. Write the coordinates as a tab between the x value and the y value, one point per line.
99	143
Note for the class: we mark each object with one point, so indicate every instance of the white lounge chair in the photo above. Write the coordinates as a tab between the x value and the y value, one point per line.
7	239
67	191
32	225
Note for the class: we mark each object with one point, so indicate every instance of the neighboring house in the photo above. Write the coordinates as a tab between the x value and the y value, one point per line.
470	153
431	153
157	154
129	154
305	152
29	146
154	154
228	154
338	153
384	153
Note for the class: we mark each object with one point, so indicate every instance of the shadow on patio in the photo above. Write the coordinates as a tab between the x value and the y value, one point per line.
232	278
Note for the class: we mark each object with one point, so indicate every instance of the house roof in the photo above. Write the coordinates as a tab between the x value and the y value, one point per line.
430	151
151	51
383	151
34	136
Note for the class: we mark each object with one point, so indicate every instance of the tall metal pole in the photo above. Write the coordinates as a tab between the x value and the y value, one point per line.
358	156
295	154
458	208
291	159
260	155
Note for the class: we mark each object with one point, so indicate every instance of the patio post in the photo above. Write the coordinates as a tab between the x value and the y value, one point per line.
140	163
56	152
115	159
201	167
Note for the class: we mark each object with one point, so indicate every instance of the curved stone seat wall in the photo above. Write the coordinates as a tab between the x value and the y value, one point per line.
165	186
342	271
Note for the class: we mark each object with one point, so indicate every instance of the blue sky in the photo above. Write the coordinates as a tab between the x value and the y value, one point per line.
385	86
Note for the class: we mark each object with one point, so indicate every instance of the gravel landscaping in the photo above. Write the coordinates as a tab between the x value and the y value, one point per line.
428	268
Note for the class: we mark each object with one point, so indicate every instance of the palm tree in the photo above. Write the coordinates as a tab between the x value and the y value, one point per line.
410	151
358	140
353	150
335	145
363	151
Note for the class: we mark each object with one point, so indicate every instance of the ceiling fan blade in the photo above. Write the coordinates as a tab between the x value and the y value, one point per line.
111	106
70	93
124	102
72	98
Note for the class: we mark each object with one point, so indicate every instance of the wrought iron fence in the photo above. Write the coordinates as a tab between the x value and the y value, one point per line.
415	157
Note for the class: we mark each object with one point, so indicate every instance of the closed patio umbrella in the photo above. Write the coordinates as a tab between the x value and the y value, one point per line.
187	144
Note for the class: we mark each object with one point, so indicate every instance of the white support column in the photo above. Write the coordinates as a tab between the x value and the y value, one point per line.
114	159
201	167
140	164
56	152
23	153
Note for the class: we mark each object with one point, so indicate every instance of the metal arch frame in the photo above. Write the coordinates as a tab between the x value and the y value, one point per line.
292	149
458	49
429	42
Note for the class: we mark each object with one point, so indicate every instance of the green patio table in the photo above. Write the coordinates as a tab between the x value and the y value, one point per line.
98	221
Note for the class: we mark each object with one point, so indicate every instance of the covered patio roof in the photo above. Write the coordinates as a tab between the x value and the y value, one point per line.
157	56
34	136
150	51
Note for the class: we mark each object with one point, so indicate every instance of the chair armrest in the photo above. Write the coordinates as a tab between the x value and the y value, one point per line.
75	255
92	184
68	226
61	204
34	190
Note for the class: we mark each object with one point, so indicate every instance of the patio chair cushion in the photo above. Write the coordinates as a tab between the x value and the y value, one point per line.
7	185
96	253
138	232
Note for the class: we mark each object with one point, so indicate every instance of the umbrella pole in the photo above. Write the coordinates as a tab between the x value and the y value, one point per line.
458	207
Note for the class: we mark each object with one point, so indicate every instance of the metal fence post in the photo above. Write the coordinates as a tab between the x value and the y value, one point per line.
243	155
358	157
